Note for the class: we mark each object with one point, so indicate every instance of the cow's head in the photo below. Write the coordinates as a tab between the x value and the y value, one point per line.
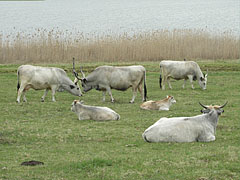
171	99
74	89
211	108
203	81
86	84
75	104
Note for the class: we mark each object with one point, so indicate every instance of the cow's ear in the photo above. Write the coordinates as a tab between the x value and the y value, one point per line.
71	86
83	80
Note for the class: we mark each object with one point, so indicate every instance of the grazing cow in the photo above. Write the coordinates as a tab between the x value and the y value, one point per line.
181	70
186	129
105	78
47	78
85	112
159	105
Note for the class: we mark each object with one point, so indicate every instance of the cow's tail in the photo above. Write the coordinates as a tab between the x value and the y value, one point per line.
118	117
145	138
18	83
145	87
160	79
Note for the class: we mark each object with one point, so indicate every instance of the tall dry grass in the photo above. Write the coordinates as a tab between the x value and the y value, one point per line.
53	46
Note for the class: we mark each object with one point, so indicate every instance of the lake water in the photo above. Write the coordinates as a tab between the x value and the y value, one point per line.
118	16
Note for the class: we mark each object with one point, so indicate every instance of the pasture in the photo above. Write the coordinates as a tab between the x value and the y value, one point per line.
71	149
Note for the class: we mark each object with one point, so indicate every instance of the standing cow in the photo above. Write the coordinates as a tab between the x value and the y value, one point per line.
181	70
186	129
47	78
105	78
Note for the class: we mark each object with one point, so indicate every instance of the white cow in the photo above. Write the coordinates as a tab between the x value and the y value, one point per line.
181	70
159	105
47	78
105	78
85	112
186	129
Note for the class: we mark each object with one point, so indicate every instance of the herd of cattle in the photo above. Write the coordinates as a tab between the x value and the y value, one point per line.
104	78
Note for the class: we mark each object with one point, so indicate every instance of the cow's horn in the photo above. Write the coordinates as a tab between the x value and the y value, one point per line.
74	71
224	104
203	106
82	72
74	65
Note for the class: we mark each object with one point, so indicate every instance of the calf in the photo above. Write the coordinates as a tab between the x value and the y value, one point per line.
85	112
159	105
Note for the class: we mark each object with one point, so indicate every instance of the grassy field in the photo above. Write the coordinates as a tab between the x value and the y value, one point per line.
73	149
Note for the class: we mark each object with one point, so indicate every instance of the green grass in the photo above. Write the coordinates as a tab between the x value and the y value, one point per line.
73	149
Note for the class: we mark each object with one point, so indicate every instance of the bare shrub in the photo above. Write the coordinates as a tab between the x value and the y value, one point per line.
43	46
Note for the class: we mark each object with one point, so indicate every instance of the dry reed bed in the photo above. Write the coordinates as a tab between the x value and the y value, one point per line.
44	46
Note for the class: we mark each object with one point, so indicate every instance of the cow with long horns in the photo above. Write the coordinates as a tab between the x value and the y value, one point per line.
186	129
105	78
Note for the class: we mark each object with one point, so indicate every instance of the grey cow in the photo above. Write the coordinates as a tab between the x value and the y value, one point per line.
86	112
105	78
181	70
186	129
48	78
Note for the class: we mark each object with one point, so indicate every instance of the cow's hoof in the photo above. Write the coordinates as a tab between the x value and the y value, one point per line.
131	102
42	100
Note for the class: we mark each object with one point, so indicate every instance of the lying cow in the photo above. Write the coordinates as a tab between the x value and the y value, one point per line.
85	112
159	105
181	70
105	78
47	78
186	129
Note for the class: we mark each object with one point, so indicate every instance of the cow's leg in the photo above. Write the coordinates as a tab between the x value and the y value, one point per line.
20	91
168	81
104	96
190	77
24	96
134	90
53	88
110	93
206	138
44	95
184	83
163	82
141	91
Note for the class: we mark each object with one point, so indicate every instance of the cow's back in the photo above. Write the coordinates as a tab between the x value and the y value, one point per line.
40	77
182	129
100	113
179	69
120	78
